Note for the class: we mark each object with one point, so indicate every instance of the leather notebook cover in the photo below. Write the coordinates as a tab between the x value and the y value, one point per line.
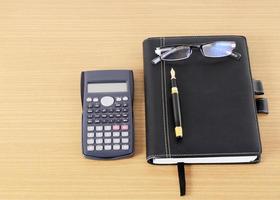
219	116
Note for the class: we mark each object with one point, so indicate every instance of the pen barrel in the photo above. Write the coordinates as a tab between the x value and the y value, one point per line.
176	109
173	83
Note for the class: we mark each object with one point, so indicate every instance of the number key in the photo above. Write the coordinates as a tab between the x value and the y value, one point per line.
90	128
90	147
125	147
99	128
107	128
124	140
99	148
99	141
124	133
107	147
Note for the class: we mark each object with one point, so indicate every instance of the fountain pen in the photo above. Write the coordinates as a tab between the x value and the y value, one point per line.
176	106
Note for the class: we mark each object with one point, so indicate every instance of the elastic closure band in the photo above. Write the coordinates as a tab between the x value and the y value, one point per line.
258	87
262	105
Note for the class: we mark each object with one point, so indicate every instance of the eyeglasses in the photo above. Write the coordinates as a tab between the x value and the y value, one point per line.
216	49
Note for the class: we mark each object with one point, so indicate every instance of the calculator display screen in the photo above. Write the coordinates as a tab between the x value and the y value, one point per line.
107	87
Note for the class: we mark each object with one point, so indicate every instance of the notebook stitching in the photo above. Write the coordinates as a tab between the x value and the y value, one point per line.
162	99
166	107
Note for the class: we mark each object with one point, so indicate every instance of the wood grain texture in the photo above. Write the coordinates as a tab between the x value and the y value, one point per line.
44	45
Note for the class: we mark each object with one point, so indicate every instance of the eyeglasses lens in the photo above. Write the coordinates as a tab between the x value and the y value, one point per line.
177	53
218	49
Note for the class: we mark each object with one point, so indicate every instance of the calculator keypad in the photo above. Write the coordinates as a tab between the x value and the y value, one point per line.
107	120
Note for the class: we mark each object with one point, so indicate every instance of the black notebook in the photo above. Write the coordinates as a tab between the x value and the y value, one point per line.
219	116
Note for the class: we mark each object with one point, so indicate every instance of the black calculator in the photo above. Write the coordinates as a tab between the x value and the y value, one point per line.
107	118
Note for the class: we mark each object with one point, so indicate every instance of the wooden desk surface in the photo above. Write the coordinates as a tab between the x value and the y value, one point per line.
44	45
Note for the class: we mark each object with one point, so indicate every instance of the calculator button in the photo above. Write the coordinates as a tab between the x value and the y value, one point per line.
89	105
118	120
118	110
99	141
125	110
95	99
104	116
97	111
90	128
118	115
125	105
91	134
116	146
104	120
99	134
124	114
107	101
111	115
90	116
97	121
125	98
107	147
116	134
90	141
96	105
89	99
124	127
125	120
111	110
111	120
124	133
107	134
116	127
89	110
107	140
117	104
99	128
89	121
103	110
96	116
116	140
118	98
124	140
125	147
107	128
99	147
90	147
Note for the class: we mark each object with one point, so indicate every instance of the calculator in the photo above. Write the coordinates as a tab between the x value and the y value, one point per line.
107	117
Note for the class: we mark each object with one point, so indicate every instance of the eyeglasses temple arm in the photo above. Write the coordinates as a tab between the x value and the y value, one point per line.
235	55
158	59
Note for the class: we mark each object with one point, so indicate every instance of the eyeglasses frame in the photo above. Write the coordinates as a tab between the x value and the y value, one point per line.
164	51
